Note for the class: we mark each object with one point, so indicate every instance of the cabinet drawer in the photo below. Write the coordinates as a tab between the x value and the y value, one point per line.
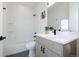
53	46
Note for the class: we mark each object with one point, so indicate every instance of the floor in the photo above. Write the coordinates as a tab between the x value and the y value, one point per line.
21	54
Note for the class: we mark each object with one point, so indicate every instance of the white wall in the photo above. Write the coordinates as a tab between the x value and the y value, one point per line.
18	27
56	12
1	28
1	9
73	16
40	24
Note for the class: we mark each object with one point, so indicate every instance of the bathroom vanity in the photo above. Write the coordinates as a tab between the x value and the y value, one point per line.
63	44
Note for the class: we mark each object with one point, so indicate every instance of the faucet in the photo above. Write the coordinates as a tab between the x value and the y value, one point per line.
54	31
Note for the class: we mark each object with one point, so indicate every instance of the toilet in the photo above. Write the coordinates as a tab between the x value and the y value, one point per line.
31	47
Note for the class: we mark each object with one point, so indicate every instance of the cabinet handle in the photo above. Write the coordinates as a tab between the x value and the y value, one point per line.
43	50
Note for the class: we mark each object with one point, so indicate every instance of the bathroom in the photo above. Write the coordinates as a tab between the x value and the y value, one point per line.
21	21
19	24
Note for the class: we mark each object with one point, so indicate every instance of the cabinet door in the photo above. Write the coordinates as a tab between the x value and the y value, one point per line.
45	52
49	53
39	53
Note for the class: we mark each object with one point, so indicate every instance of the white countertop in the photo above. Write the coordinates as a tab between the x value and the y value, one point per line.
61	37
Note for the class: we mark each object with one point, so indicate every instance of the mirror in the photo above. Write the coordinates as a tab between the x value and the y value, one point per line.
58	16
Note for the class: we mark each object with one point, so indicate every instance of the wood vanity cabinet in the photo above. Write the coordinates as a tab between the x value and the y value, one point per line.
48	48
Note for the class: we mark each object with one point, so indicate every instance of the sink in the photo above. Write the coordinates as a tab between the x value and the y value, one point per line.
60	37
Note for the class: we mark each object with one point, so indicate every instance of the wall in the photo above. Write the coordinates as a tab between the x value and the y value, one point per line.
40	23
1	18
18	27
1	28
56	12
73	17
